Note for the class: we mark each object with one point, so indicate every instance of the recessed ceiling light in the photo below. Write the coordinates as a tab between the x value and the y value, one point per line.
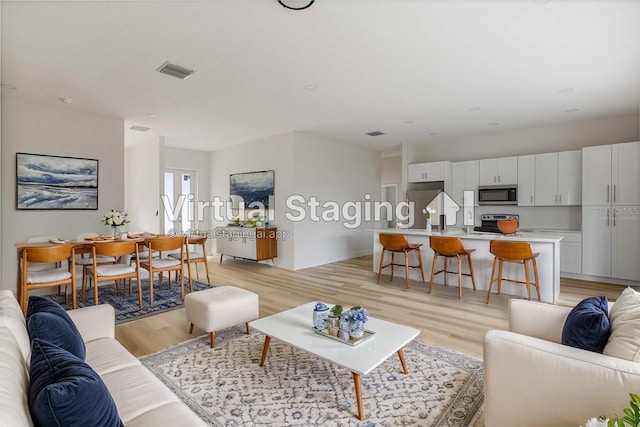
139	128
434	134
494	124
475	108
9	87
408	122
66	100
311	87
572	110
155	116
566	90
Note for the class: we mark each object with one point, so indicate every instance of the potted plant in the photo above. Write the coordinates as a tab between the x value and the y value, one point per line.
333	325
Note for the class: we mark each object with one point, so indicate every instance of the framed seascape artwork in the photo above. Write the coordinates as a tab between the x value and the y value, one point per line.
56	182
253	187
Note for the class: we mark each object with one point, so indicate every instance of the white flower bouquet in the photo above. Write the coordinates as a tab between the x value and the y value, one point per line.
115	218
428	212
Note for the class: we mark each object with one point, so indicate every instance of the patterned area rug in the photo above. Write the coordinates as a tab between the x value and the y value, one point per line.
227	387
127	308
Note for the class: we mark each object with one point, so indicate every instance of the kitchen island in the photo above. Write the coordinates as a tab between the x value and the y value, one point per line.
547	245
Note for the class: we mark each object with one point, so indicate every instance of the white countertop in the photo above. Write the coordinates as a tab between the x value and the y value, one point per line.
527	236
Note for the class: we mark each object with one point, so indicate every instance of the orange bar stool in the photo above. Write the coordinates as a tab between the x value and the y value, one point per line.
398	243
517	252
450	247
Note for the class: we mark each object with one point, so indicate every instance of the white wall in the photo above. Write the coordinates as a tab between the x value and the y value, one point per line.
533	140
333	171
275	153
391	170
61	131
142	189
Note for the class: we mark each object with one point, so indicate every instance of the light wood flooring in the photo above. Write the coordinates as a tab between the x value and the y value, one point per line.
443	318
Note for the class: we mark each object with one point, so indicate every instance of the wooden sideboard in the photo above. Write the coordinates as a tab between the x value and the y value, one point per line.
257	244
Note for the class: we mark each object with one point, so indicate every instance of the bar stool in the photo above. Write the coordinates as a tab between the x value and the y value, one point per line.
450	247
398	243
517	252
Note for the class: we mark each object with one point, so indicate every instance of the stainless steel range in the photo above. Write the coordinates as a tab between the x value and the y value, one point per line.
490	222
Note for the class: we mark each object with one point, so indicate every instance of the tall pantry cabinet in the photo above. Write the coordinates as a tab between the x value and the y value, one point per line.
611	211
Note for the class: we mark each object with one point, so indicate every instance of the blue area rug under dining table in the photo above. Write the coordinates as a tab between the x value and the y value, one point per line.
126	306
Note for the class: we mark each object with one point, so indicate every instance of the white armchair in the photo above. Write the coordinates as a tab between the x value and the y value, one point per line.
533	380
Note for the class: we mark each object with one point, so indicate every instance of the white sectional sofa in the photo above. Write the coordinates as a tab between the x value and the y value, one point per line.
533	380
141	399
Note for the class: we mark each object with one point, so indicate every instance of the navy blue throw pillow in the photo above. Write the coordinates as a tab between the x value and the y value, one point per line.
49	321
587	326
65	391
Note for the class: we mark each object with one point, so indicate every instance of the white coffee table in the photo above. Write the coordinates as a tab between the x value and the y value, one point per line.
293	327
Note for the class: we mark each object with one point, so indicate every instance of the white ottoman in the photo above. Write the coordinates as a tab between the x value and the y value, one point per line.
219	308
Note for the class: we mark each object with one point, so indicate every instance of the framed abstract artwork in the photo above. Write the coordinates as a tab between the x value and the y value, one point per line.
56	182
252	187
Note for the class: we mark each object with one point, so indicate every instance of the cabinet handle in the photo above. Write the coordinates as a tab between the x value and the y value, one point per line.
607	193
614	197
608	217
613	211
494	178
531	199
560	198
498	178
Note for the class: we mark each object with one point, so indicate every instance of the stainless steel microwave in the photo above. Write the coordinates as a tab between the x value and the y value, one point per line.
498	195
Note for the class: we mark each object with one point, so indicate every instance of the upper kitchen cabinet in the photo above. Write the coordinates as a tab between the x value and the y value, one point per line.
610	174
464	176
558	178
502	171
526	180
428	172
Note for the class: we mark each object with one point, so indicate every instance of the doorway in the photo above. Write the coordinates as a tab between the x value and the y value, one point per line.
390	194
179	200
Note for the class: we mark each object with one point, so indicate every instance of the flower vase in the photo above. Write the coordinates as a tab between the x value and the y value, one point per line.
333	325
344	325
320	316
356	330
116	231
428	226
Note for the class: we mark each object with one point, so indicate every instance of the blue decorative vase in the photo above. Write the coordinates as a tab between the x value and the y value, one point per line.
320	316
356	329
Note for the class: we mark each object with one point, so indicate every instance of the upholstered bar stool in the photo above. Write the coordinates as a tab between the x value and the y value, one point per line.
516	252
398	243
450	247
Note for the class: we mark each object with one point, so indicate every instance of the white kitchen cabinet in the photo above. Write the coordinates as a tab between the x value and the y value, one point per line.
610	174
501	171
428	172
571	253
611	241
625	242
558	178
464	176
526	180
596	241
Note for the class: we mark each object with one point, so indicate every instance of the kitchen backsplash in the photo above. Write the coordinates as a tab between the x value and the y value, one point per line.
537	217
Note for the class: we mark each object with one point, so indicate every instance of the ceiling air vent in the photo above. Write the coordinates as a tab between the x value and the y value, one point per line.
174	70
139	128
375	133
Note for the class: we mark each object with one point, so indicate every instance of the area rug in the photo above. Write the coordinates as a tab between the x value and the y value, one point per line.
127	308
227	387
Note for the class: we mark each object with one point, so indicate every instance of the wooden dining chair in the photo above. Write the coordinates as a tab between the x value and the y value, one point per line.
117	272
450	247
163	263
194	256
55	276
397	243
515	252
84	255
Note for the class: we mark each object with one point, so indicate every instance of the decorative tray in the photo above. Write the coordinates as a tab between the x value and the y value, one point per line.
351	341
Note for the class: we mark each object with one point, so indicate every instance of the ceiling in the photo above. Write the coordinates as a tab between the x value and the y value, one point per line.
420	71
